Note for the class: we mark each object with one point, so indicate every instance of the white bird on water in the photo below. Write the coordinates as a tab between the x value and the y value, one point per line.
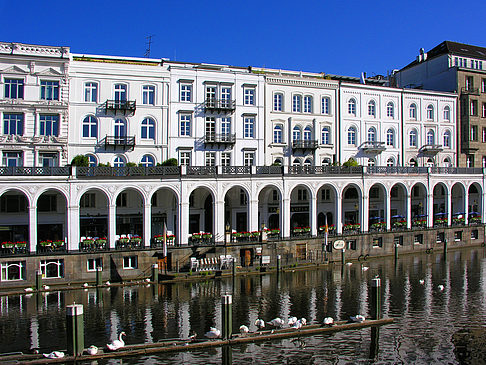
365	268
422	281
117	344
92	350
46	287
260	323
108	283
329	321
303	321
292	321
440	287
28	290
297	325
85	285
277	322
213	333
54	355
357	318
244	329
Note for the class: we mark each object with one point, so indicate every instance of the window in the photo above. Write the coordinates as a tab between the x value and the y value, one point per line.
447	162
210	127
325	105
307	133
185	124
390	110
249	127
469	83
90	127
148	95
243	198
121	200
13	203
390	162
398	240
47	203
413	138
484	110
277	102
307	104
458	236
147	161
470	161
352	107
308	162
412	112
185	158
13	124
277	133
302	194
51	269
351	245
372	108
120	92
120	127
226	126
48	159
371	162
119	161
390	137
413	162
352	136
49	125
474	133
148	129
94	263
447	113
186	92
325	135
484	161
484	134
326	194
226	159
249	96
430	112
249	158
377	242
447	139
210	159
49	90
12	159
474	234
91	92
14	89
296	134
371	134
473	107
326	161
483	85
430	137
13	270
226	96
210	96
297	103
130	262
418	239
88	200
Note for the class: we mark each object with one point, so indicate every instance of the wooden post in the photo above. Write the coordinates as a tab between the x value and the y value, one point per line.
155	273
376	298
227	354
227	315
75	329
99	276
38	280
445	249
343	257
396	252
279	265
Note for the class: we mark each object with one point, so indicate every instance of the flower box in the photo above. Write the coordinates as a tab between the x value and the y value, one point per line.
124	240
47	243
101	241
136	239
58	243
88	241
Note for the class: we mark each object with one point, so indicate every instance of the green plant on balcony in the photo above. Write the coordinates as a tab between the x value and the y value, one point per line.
475	219
378	226
136	239
419	223
58	243
458	220
8	244
352	227
45	243
399	224
124	240
441	222
101	241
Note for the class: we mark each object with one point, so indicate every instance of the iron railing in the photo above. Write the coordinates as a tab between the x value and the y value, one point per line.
125	106
305	144
224	138
35	171
128	171
219	104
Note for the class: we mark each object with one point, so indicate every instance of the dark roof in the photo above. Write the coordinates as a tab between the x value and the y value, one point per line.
454	48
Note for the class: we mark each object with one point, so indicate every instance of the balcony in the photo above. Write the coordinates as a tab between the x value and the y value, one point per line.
219	139
124	143
372	147
470	91
127	107
430	149
304	144
219	106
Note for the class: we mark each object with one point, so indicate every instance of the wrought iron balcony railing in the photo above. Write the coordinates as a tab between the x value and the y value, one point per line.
223	105
373	147
430	149
215	138
304	144
127	107
126	143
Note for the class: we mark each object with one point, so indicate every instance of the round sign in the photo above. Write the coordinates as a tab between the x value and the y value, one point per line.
339	244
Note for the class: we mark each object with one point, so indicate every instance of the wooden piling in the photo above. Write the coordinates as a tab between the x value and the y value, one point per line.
38	280
75	329
227	315
376	298
99	276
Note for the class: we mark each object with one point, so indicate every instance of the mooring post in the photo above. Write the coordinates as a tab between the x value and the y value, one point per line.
279	266
99	276
396	251
155	273
227	354
227	315
233	268
343	257
75	329
376	298
38	280
445	249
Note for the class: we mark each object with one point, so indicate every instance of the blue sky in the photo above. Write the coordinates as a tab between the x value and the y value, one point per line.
336	37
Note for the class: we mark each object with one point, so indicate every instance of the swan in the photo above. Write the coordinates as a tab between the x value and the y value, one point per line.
365	268
422	281
117	344
357	318
329	321
303	321
85	285
28	290
92	350
193	336
108	283
213	333
46	287
54	355
244	329
260	323
147	280
297	325
349	263
277	322
440	287
292	321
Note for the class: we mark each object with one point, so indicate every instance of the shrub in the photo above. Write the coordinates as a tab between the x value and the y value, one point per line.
80	160
170	162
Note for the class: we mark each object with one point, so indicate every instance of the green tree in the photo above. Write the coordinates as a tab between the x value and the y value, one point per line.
351	163
80	160
170	162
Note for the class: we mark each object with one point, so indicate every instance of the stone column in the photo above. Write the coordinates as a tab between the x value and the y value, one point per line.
183	227
219	223
32	228
285	218
253	216
313	215
147	224
339	214
449	208
112	225
388	210
73	228
365	203
430	210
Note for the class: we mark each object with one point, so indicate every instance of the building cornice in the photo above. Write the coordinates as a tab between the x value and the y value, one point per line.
301	82
33	50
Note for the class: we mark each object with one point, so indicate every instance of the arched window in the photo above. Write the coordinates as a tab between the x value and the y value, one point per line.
296	134
430	112
326	161
390	110
308	162
119	161
430	162
372	134
277	102
352	136
390	162
326	135
430	137
447	113
307	133
277	162
413	138
277	133
93	161
120	92
413	162
120	128
413	112
447	162
297	103
390	137
371	162
372	108
90	127
352	106
447	139
148	129
296	162
147	160
307	104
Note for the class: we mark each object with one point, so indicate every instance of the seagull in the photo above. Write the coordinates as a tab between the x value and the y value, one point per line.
365	268
357	318
349	263
422	281
260	323
303	321
292	321
277	322
117	344
28	290
193	336
297	325
92	350
440	287
147	280
108	283
46	287
213	333
85	285
54	355
329	321
244	329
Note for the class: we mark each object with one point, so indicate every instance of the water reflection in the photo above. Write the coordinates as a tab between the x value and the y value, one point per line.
427	317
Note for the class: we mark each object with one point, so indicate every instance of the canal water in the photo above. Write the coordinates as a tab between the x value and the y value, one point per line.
431	326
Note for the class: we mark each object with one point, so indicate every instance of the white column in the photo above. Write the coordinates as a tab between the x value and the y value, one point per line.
253	216
219	223
339	214
183	226
313	215
388	211
466	208
409	210
112	225
73	228
449	208
430	210
147	226
32	228
483	205
365	213
285	230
